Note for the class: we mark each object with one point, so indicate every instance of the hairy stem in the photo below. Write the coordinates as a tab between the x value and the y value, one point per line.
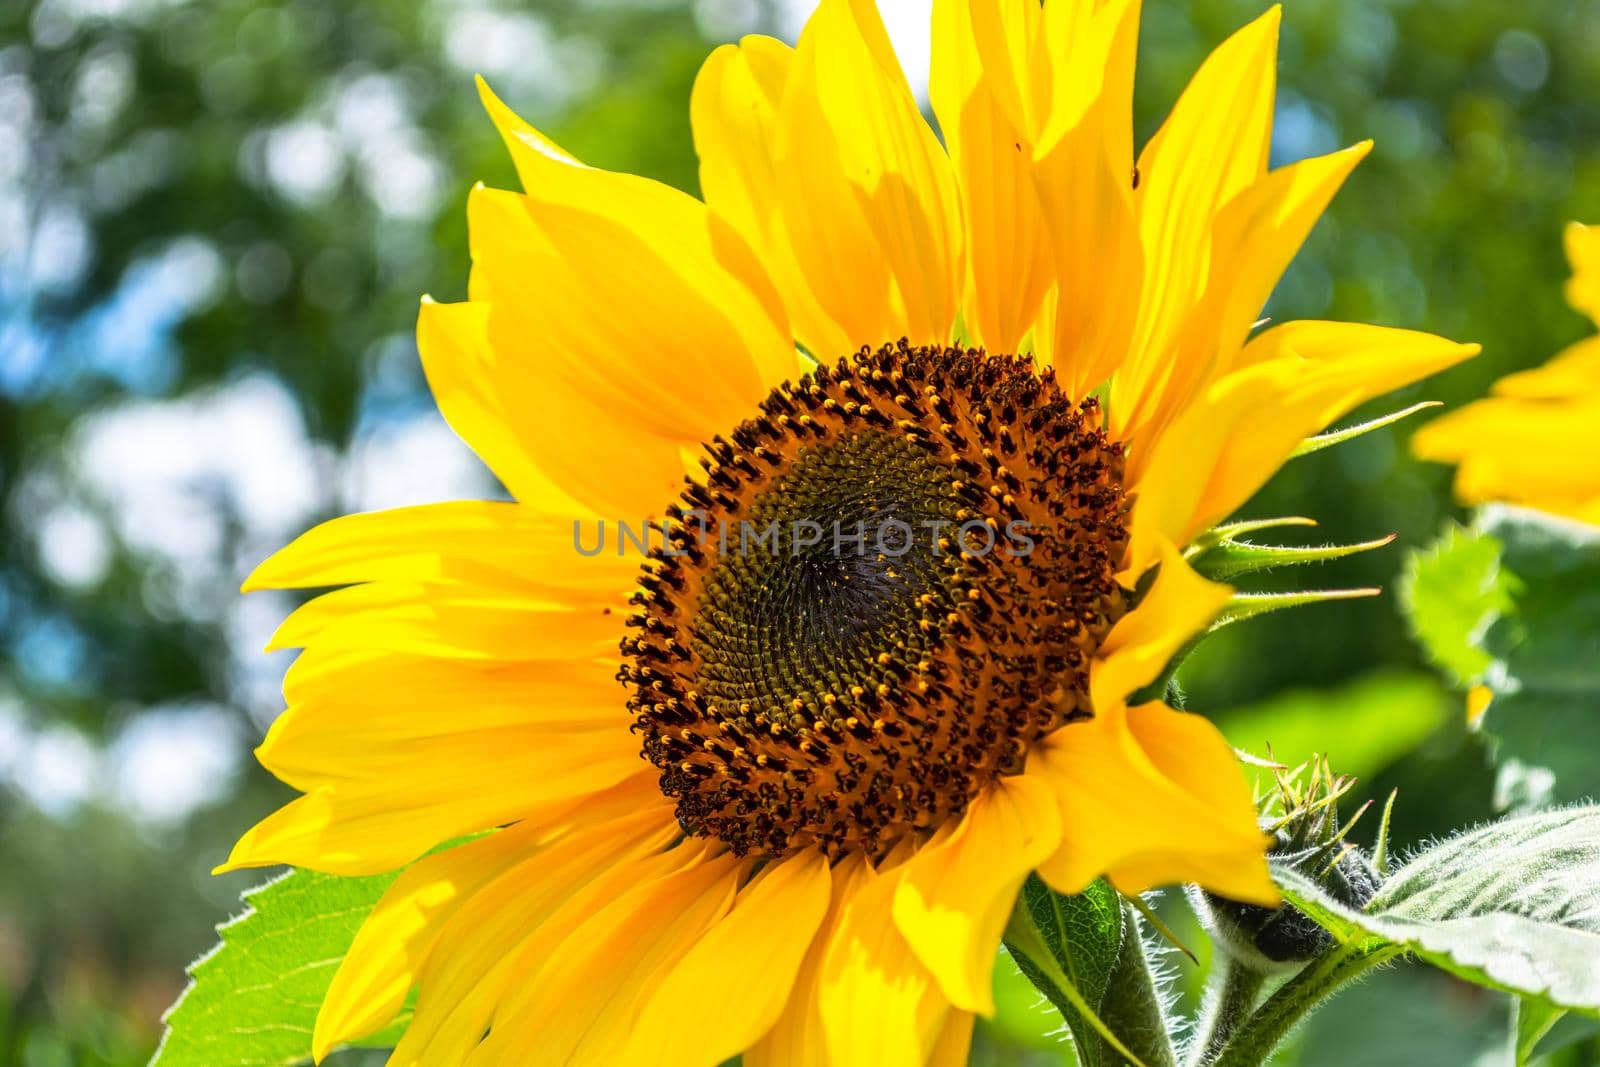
1253	1042
1231	995
1132	1006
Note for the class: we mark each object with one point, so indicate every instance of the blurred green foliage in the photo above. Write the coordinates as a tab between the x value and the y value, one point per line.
1517	600
199	195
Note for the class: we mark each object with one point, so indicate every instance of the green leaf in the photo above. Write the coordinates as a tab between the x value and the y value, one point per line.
253	999
1533	1019
1381	717
1514	905
1545	746
1068	947
1548	637
1567	1030
1451	592
1515	603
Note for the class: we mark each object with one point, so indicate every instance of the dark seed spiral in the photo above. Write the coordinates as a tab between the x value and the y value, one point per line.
885	588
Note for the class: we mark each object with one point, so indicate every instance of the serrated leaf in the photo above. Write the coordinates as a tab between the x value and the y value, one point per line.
1515	603
1068	947
1451	592
1514	905
252	1000
1548	636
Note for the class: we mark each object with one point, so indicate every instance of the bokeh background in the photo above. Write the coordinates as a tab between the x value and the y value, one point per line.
216	219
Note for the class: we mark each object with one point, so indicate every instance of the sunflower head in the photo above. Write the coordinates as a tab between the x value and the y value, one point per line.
887	586
927	427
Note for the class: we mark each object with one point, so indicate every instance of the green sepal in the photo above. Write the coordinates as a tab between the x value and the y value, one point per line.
1240	606
1232	530
1243	606
1230	558
1350	433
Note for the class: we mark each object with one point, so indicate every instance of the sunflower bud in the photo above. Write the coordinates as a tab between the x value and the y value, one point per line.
1302	815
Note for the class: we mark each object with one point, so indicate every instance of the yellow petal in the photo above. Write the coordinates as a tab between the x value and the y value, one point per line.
1211	148
1583	252
581	1005
1011	45
351	706
454	541
1574	373
958	889
1540	453
1479	697
1193	755
617	302
745	965
1083	174
489	415
1178	606
497	938
1259	232
524	421
470	622
1010	264
1152	796
879	1004
851	142
954	1043
796	1039
379	970
734	109
734	113
370	827
1294	380
308	758
657	276
1253	240
1077	32
1333	367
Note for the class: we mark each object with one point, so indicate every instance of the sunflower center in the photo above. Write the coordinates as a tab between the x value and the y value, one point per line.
887	586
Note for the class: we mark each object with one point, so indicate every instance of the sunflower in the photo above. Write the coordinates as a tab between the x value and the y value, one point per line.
797	827
1534	442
